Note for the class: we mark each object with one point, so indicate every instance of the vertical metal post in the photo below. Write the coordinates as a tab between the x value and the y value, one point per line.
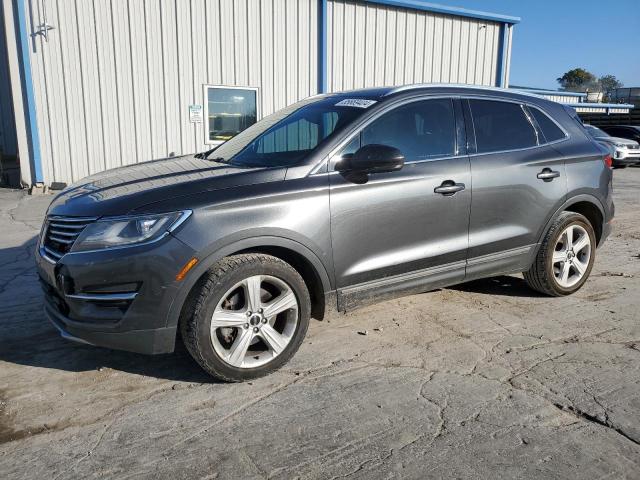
322	46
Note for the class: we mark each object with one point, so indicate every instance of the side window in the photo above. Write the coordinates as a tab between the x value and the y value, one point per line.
550	130
501	126
420	130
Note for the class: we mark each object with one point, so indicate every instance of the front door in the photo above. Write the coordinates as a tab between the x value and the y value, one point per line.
413	221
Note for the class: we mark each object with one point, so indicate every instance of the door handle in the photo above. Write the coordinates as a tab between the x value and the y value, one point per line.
547	174
449	187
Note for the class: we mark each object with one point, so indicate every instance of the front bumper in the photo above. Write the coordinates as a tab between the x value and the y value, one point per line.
626	156
116	298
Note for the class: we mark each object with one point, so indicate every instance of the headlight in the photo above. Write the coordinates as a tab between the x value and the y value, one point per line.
620	145
126	231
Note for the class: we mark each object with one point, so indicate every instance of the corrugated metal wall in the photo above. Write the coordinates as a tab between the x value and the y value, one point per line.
395	46
8	142
114	81
562	98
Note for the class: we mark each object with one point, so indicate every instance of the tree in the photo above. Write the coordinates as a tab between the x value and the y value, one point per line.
578	80
608	83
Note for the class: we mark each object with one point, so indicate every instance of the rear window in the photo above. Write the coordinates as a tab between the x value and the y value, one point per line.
501	126
550	130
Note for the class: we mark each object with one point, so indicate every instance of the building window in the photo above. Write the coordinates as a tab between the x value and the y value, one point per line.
228	111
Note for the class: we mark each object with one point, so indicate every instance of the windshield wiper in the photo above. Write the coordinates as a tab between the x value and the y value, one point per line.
204	155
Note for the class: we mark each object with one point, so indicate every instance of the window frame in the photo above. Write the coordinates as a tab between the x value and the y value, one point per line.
525	105
529	107
461	145
206	88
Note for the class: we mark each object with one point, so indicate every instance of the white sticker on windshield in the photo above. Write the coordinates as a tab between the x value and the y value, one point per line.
355	102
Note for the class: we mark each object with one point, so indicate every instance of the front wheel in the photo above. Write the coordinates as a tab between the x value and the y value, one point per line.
565	258
250	317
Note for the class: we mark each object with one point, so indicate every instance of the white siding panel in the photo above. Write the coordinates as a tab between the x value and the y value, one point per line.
380	40
114	82
401	46
8	140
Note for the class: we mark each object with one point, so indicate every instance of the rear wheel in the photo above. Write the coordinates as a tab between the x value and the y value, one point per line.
565	258
250	317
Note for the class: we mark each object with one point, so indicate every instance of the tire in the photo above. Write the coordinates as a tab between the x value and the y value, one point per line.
547	276
224	292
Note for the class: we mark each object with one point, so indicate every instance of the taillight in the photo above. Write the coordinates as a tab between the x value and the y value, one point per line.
608	161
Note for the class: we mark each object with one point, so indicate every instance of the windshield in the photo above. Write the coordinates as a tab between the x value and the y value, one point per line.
595	132
288	136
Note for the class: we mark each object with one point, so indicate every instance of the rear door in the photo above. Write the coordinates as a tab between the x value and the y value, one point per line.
519	180
388	225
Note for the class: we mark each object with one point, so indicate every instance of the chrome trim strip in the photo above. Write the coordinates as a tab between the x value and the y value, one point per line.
103	297
49	254
424	273
514	252
183	218
72	219
425	96
70	227
64	234
390	106
66	241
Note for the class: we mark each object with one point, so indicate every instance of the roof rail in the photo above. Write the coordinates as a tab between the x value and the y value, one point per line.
417	86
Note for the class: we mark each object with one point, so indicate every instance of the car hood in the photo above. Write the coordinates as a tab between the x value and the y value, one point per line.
618	140
121	190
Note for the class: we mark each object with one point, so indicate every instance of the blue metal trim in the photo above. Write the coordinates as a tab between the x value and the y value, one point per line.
500	74
322	46
462	12
27	85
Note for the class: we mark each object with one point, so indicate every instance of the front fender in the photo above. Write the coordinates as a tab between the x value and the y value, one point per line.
229	246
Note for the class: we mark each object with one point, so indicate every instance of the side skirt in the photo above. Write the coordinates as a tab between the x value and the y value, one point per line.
399	285
510	261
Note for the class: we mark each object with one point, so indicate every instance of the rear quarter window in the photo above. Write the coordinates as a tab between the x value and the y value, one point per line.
550	130
501	126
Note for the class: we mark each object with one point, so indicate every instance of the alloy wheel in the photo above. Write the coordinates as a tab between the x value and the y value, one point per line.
254	321
571	256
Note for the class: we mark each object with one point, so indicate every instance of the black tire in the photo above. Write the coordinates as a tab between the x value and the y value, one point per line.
540	276
195	325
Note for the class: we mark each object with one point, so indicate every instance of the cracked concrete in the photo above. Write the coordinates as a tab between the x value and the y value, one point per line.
483	380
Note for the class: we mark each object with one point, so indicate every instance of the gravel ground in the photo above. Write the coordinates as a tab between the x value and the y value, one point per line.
483	380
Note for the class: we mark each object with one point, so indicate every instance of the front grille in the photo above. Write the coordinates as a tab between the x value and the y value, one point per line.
60	234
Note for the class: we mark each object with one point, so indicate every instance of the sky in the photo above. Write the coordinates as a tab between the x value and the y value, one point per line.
556	36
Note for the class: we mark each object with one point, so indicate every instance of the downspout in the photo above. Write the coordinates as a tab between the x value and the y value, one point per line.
507	66
502	57
23	95
322	46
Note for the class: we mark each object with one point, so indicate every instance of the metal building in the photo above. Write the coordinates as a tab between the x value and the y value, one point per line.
96	84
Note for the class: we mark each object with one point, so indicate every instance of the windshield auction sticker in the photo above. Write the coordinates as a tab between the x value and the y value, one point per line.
355	102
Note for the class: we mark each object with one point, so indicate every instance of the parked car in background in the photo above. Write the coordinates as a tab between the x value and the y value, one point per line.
630	132
624	152
331	203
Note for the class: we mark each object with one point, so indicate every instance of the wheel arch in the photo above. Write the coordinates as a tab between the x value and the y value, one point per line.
586	205
300	257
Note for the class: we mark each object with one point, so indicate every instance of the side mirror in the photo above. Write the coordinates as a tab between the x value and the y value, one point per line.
372	159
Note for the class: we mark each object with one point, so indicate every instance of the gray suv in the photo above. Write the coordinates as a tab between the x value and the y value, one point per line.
336	201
